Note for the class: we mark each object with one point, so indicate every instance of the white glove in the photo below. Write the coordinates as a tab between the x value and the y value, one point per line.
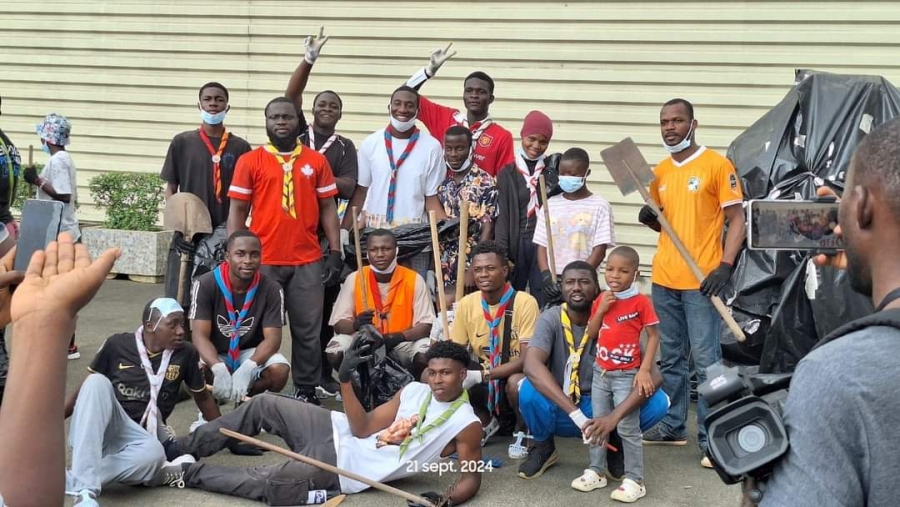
242	378
313	46
221	381
473	378
345	238
439	57
578	417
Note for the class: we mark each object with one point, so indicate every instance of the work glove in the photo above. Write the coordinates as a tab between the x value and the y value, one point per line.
435	499
239	448
359	352
30	174
313	46
392	340
331	275
716	281
242	379
221	381
648	217
363	319
438	58
182	246
551	289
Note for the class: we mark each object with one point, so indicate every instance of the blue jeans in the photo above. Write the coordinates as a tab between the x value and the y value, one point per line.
608	390
544	419
688	324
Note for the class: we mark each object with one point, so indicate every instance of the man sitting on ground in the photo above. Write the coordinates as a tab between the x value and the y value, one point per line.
555	399
397	303
419	426
496	323
119	412
241	349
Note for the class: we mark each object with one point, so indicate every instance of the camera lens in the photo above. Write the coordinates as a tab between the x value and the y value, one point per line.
752	438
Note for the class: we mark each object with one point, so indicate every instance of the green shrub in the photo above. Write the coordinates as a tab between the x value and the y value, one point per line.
131	200
24	190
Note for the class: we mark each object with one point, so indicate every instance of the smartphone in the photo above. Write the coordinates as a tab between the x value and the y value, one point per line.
792	225
39	226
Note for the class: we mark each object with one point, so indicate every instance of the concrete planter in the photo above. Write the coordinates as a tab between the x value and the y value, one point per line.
144	253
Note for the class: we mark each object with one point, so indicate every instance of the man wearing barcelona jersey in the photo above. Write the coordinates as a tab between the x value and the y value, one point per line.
493	144
697	190
291	190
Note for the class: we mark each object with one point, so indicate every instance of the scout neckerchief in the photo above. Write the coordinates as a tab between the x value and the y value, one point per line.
477	128
572	363
216	160
9	167
311	137
419	431
493	323
383	310
151	416
531	180
287	165
395	166
235	318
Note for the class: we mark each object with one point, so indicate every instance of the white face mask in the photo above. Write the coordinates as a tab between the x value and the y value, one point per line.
630	292
683	145
466	164
390	269
403	126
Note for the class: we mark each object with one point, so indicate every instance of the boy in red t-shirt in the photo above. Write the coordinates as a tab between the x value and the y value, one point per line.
618	316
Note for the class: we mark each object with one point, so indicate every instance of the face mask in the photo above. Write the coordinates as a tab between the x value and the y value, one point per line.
630	292
45	148
465	166
683	145
212	119
570	184
390	269
403	126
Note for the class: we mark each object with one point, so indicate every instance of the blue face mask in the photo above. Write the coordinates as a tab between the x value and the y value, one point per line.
570	184
45	148
213	119
630	292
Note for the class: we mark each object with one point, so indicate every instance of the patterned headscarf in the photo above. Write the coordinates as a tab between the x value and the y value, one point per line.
55	129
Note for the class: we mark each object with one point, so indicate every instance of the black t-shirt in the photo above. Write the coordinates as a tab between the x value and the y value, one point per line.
341	156
16	162
208	303
119	360
189	165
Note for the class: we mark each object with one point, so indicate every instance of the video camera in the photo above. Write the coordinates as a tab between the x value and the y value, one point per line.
744	426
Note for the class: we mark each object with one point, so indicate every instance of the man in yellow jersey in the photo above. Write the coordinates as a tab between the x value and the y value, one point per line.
697	190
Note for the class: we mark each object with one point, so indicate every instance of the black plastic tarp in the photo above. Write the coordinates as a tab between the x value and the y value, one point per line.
807	140
412	239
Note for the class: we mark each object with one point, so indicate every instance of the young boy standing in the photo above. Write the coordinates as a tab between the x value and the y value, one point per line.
582	223
619	315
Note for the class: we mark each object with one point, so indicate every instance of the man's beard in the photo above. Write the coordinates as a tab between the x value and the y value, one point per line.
860	279
286	143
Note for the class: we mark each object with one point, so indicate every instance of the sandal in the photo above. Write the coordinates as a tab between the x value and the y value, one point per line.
589	481
490	430
629	492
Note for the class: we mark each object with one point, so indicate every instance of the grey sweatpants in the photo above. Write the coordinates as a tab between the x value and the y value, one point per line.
107	445
305	428
304	297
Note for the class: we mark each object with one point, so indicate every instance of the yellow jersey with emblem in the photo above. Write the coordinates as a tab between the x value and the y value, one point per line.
693	196
470	328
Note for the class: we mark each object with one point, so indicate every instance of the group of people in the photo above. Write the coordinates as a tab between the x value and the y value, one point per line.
536	345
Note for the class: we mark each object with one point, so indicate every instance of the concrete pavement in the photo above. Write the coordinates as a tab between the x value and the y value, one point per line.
674	477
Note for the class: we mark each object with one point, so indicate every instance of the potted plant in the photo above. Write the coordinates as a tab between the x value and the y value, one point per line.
131	202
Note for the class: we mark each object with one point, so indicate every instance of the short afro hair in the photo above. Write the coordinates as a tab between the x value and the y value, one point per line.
458	130
687	106
582	265
406	88
323	92
876	163
482	76
213	84
449	350
577	154
627	253
491	247
240	233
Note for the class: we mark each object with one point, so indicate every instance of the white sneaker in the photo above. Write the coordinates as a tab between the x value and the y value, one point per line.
196	424
629	492
84	498
589	481
490	430
705	462
180	460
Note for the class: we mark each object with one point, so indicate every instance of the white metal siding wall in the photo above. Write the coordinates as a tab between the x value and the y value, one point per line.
127	73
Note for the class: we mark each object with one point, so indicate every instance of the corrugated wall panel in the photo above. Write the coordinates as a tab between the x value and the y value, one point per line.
127	74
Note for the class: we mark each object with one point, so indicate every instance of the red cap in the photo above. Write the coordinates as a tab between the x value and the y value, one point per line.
537	122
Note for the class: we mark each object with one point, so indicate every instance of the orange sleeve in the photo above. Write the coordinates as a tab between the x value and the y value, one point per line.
325	185
242	182
729	185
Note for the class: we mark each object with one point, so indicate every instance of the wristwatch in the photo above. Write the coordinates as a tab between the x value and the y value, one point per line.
486	375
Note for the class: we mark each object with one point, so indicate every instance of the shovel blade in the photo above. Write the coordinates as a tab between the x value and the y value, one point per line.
187	214
627	166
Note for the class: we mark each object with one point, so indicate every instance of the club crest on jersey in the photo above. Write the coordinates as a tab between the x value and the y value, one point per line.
307	171
732	180
694	184
485	140
172	372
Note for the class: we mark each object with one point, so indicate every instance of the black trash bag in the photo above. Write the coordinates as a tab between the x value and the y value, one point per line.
378	380
412	239
793	331
209	252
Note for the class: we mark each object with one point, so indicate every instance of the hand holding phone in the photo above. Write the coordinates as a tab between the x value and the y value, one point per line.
793	225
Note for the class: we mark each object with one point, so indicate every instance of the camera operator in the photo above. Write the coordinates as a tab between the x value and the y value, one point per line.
842	406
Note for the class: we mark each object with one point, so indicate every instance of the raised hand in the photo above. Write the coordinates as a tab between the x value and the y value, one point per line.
438	58
313	46
838	259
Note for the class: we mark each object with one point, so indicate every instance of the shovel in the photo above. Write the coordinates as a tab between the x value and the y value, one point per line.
187	214
631	172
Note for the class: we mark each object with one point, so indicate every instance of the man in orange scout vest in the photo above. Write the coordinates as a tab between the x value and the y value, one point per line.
398	305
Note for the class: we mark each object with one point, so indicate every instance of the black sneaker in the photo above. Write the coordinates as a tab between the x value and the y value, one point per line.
170	475
307	394
615	461
328	388
541	456
656	437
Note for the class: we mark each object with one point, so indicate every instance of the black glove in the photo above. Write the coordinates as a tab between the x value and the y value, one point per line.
648	217
392	340
181	245
716	280
239	448
363	319
331	274
551	289
433	497
359	352
30	174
